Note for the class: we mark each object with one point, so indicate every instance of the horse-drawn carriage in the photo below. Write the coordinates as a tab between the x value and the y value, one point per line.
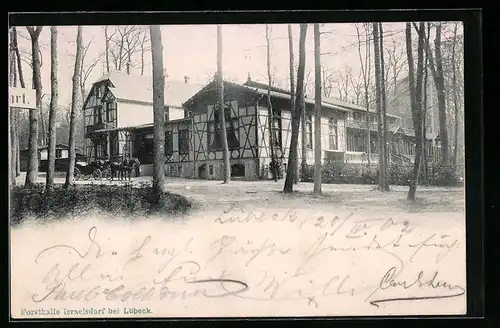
107	169
85	170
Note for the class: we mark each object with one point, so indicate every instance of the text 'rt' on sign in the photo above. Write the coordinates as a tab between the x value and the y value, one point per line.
22	98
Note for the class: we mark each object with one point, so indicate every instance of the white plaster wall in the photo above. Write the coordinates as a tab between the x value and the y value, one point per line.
133	114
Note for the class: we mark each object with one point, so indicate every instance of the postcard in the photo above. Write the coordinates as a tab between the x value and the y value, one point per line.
281	170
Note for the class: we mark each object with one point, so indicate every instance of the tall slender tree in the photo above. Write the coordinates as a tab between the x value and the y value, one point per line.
223	134
34	114
436	66
53	109
378	102
425	162
11	117
274	164
297	112
19	70
441	93
294	162
70	175
303	118
365	71
317	111
415	101
383	92
158	112
455	94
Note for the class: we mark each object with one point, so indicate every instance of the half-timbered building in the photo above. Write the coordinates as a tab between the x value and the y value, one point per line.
118	115
249	126
119	123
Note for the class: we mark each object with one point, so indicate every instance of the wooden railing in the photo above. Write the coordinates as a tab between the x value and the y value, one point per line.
89	129
357	124
360	157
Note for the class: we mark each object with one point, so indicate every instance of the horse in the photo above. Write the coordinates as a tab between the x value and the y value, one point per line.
123	170
129	165
114	167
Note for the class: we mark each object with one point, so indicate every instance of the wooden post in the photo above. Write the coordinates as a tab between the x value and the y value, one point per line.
108	146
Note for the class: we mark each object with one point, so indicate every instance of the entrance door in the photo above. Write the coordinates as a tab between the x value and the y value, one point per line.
238	170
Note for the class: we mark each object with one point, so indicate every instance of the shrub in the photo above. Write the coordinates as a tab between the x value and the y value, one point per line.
444	175
122	200
399	174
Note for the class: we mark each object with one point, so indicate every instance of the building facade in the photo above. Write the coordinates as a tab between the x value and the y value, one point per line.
117	106
119	124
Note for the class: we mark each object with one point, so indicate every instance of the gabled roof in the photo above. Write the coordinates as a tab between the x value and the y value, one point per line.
337	104
139	88
261	89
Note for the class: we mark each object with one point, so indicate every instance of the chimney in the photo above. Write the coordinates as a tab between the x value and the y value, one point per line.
249	79
186	79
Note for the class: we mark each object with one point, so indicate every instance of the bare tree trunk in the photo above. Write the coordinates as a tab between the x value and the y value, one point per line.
18	57
32	174
43	135
443	131
303	118
107	47
365	71
437	73
416	102
294	170
18	149
53	109
129	58
11	117
383	90
425	165
317	111
455	97
270	108
159	112
378	101
227	165
21	81
70	178
143	49
297	113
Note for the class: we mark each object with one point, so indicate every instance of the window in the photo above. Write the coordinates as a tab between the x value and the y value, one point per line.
358	116
58	153
166	114
111	112
183	139
97	114
89	116
332	131
309	132
169	143
214	130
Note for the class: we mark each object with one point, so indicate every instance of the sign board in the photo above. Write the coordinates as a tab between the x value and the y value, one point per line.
22	98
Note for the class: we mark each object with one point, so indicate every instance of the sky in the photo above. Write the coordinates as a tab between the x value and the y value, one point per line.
191	50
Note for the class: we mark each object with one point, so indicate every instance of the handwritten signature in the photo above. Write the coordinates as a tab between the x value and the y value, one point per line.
389	282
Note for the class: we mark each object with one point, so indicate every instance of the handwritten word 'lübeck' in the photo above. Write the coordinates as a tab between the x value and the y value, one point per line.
256	270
